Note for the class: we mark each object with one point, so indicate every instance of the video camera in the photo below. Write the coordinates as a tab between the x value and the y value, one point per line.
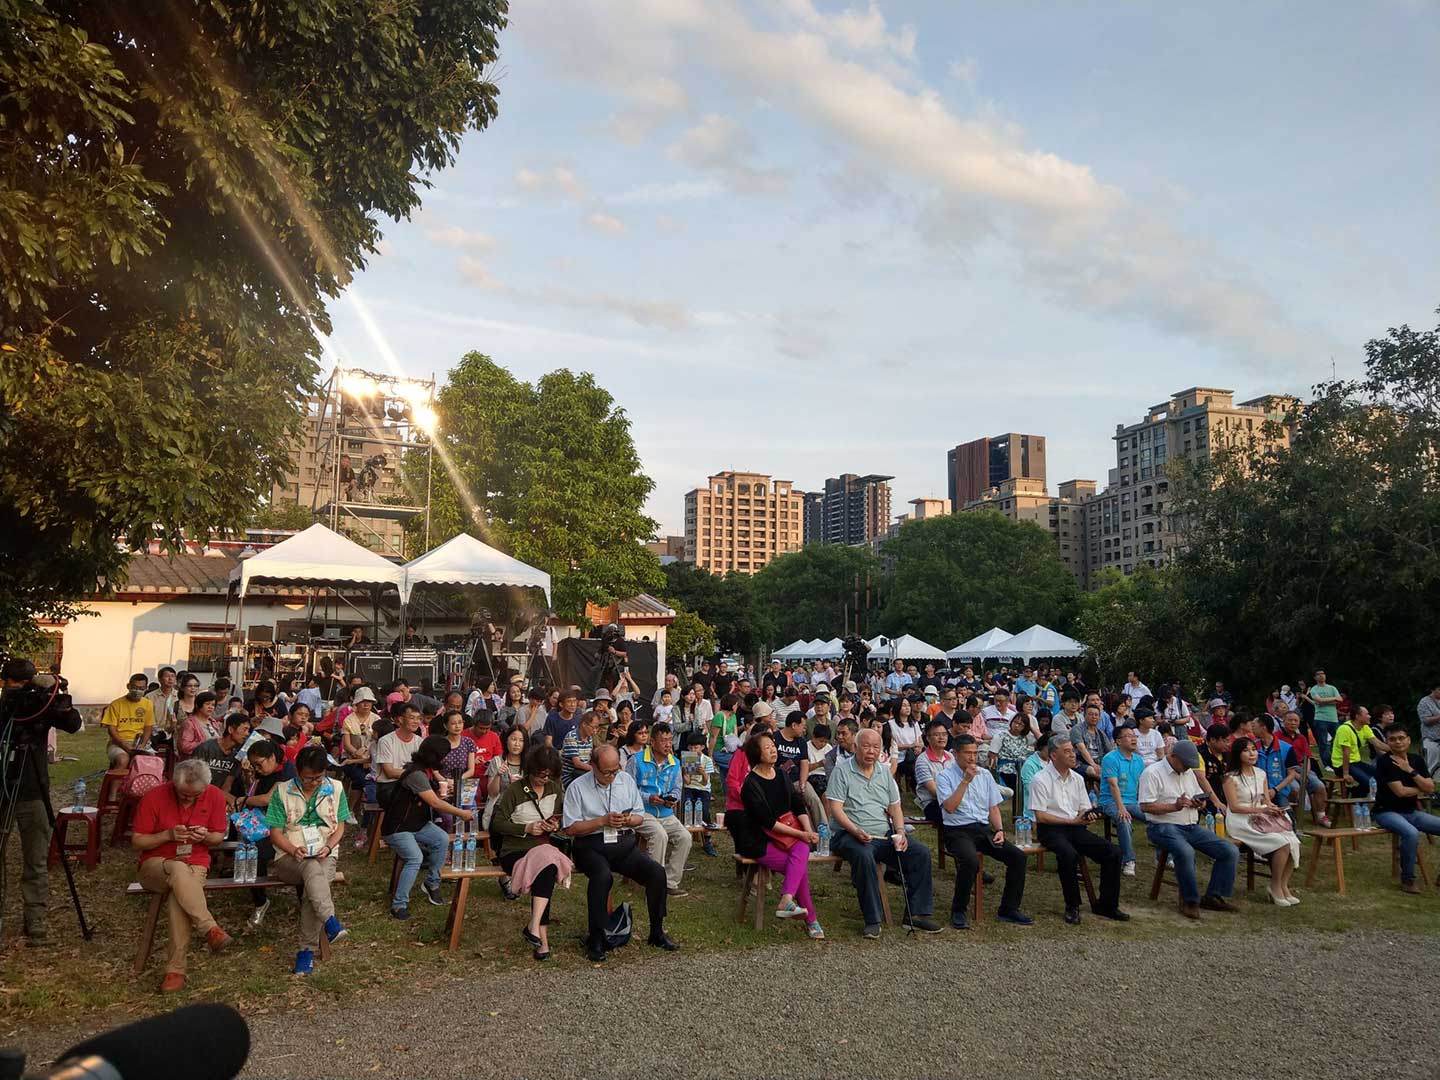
856	651
41	696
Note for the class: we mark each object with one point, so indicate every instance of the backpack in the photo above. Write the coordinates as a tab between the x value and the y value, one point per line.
147	772
619	927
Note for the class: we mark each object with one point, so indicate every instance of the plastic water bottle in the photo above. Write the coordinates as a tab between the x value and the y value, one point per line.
1363	821
823	846
242	862
1210	820
79	796
470	845
252	864
457	853
1094	802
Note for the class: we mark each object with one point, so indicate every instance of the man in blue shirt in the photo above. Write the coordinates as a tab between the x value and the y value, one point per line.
1120	771
970	812
1026	683
897	681
656	772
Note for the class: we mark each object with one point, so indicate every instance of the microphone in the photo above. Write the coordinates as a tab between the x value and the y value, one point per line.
199	1042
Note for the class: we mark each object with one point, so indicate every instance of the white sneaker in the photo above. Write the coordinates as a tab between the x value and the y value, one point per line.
1128	869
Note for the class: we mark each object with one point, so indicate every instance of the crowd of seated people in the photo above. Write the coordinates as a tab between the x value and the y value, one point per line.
614	786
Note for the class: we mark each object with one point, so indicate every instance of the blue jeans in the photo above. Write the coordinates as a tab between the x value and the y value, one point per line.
427	843
1285	794
1182	842
1125	830
914	866
1324	735
1363	774
1408	827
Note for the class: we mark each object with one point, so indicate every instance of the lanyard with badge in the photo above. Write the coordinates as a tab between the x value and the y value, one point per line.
184	849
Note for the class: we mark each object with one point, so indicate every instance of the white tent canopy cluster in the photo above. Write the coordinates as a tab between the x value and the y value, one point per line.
321	557
1038	642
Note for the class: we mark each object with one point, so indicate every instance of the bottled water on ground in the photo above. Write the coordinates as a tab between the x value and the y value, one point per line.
79	795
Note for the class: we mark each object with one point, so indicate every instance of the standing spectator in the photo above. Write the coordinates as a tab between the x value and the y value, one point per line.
1428	710
1170	796
602	810
163	698
656	772
1120	771
969	800
897	682
1400	782
864	803
526	816
176	825
307	817
1134	690
724	730
1062	811
1247	805
1325	699
763	834
128	722
409	829
1149	742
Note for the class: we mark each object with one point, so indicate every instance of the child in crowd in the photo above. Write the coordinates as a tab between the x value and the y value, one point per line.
665	708
697	770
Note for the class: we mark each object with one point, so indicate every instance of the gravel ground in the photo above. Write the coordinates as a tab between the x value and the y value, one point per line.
963	1017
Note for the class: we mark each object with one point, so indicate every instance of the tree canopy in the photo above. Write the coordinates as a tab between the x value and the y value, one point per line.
182	188
958	575
726	603
807	593
1140	623
547	472
1326	552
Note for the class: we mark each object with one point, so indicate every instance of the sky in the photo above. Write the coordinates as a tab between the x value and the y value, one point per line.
808	238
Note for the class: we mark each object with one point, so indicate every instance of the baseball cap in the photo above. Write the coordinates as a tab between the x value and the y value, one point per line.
1185	751
362	693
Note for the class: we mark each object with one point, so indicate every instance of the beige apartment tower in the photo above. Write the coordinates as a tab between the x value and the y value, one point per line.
741	521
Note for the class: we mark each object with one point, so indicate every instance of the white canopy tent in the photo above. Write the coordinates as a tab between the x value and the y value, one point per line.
790	652
810	650
317	557
833	649
463	560
879	645
978	647
909	647
1037	641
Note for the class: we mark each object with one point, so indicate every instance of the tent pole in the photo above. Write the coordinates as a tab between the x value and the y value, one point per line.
239	683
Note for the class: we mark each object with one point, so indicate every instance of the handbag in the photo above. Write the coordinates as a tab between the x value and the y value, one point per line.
1270	822
250	824
147	772
784	841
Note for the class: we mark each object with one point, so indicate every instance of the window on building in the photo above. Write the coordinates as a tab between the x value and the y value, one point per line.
207	655
47	656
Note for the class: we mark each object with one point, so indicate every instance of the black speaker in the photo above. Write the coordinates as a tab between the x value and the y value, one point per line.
375	668
414	671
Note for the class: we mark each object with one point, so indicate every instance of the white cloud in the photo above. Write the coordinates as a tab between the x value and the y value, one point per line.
474	272
453	236
604	222
672	192
666	223
658	314
1080	240
558	181
720	145
966	70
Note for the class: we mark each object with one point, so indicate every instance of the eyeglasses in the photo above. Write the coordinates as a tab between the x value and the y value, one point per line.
607	772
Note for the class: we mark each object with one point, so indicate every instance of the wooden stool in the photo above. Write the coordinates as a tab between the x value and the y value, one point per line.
375	823
88	852
456	919
1250	869
978	890
110	796
1420	866
1333	839
124	819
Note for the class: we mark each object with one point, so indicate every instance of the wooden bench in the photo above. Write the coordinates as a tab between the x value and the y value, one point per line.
1334	838
456	919
485	852
1251	870
756	877
157	899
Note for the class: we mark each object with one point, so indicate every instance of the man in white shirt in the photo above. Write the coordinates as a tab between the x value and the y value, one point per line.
1135	689
394	751
1062	811
1170	796
997	716
163	699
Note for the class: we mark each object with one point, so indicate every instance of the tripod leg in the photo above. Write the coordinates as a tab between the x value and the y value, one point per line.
86	931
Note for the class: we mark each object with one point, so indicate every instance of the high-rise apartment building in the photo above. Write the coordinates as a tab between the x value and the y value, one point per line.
741	521
982	465
1062	516
851	510
1130	523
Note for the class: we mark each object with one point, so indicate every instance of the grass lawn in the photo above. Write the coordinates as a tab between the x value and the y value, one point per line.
73	981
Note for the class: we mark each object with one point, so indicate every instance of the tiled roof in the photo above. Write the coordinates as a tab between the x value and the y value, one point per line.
645	608
178	575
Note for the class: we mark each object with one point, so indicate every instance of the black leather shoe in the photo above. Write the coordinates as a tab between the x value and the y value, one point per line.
662	941
1072	916
1114	914
595	951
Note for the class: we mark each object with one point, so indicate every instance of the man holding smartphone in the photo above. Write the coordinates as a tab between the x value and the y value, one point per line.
1170	796
656	772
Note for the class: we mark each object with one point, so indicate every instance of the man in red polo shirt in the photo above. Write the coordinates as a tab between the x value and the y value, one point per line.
176	825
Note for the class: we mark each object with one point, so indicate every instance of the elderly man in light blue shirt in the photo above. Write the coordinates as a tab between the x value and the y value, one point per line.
970	801
603	809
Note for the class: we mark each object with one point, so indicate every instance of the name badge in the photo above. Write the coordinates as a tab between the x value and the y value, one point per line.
611	836
181	850
314	841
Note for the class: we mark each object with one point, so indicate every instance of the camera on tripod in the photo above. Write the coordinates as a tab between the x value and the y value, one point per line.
857	653
40	698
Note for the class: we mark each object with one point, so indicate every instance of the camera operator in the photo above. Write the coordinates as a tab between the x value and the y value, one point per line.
28	711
